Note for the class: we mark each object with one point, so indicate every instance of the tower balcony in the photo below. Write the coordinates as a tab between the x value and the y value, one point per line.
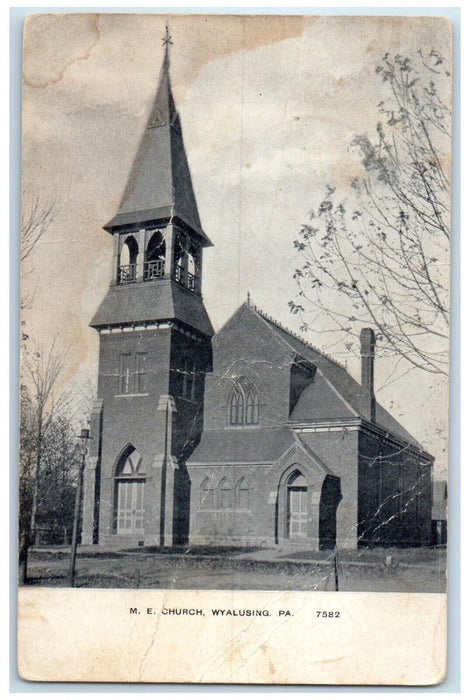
127	274
154	270
185	278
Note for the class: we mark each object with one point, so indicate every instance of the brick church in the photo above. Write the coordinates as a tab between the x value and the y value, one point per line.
248	436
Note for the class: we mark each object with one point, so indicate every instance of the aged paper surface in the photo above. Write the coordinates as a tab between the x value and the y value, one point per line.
263	457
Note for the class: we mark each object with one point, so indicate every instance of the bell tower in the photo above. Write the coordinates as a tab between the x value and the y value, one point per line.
155	346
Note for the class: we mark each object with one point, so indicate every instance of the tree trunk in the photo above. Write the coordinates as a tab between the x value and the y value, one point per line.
23	558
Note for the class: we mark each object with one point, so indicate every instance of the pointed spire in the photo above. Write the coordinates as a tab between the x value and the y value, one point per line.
159	185
167	42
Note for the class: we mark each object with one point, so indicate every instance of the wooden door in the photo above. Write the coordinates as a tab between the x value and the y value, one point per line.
297	512
130	507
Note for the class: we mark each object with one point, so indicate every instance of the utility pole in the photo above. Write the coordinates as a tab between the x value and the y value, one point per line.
83	437
336	568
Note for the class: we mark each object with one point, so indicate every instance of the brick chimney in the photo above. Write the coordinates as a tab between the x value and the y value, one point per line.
367	372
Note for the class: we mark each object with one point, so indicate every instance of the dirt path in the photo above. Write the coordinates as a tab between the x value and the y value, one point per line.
180	572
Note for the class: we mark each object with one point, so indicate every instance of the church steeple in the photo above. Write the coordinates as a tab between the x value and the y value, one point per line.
159	185
158	238
155	345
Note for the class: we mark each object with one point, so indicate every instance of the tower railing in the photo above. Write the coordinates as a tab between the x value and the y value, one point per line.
154	269
179	274
185	278
191	282
127	274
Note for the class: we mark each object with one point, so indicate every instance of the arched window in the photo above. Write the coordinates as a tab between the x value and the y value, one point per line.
252	406
236	405
242	494
191	279
127	270
225	494
243	403
186	262
154	265
207	495
180	262
129	489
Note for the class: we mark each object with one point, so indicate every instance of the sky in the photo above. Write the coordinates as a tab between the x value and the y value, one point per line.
269	106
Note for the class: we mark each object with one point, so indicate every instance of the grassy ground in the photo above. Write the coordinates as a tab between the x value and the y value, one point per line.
421	570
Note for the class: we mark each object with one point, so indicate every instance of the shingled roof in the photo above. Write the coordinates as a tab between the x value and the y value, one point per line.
258	446
337	375
152	301
159	185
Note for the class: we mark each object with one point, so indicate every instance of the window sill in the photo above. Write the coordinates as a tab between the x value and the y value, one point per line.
246	426
129	396
224	510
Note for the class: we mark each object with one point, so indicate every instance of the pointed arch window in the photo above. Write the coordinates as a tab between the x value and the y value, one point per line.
129	489
236	405
243	403
127	270
252	406
207	495
242	494
225	494
154	264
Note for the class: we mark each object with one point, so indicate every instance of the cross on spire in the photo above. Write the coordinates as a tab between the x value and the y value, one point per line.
166	40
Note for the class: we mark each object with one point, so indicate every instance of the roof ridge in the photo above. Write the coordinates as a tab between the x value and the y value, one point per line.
297	336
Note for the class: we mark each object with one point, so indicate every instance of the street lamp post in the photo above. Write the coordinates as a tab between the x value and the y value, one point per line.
84	437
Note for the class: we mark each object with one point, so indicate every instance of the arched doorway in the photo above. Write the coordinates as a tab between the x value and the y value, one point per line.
129	494
297	506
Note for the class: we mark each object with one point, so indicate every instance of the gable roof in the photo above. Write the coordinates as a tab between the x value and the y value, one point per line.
159	184
256	445
338	378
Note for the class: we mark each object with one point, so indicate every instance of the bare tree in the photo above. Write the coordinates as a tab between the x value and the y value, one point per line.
382	257
37	411
35	222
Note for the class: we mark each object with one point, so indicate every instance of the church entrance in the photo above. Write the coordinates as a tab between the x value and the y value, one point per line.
130	507
297	510
129	494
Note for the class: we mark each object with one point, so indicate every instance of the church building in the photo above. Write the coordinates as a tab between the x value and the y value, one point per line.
250	436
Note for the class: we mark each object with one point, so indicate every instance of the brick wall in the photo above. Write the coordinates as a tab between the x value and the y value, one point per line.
339	450
213	521
247	347
394	493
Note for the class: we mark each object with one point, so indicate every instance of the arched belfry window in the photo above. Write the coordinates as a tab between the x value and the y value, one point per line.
192	269
127	270
243	403
186	265
154	265
129	491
